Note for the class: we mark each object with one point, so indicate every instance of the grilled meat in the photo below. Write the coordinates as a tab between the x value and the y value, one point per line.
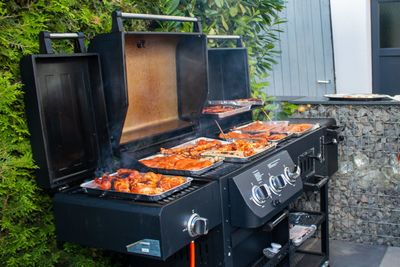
131	181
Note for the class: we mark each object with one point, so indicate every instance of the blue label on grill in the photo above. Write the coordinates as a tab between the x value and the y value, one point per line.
149	247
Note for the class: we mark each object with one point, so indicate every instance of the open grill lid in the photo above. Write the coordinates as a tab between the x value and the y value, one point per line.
228	69
65	110
155	82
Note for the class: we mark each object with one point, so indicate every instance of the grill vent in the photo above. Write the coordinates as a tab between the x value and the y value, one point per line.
178	195
306	164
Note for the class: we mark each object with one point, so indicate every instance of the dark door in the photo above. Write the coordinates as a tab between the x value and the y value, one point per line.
385	20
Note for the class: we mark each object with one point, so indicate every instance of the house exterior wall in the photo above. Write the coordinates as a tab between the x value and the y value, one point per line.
351	30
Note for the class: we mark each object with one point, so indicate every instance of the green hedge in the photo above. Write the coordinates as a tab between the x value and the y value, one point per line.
27	236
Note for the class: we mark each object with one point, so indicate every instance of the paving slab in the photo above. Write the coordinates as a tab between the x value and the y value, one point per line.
391	258
346	254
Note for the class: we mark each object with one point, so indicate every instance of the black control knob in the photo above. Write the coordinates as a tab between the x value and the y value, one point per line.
260	194
291	175
276	183
197	225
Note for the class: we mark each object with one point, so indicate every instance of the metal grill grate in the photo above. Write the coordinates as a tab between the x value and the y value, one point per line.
178	194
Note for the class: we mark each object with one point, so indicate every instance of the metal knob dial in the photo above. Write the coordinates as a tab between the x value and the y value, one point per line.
277	183
291	176
260	194
197	225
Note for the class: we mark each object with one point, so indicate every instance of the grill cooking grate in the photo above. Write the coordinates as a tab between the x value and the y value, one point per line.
178	194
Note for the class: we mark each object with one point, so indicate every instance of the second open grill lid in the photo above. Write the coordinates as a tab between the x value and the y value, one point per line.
155	82
228	69
66	112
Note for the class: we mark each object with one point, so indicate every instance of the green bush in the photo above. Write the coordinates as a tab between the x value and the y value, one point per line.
27	236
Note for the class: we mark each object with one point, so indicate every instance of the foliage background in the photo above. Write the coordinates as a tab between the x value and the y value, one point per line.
27	235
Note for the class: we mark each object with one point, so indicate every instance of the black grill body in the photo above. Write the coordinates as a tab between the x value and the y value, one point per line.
248	213
155	230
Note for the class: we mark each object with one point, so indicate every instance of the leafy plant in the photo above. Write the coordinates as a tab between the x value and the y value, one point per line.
27	236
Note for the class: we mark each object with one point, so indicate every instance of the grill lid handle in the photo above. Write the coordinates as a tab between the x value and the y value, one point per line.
46	37
238	38
118	17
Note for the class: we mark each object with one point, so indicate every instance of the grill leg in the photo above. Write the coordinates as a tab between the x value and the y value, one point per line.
325	224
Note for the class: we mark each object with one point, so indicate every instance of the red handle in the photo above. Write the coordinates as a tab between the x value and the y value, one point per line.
192	254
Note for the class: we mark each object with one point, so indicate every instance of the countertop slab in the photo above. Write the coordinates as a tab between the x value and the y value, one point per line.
326	101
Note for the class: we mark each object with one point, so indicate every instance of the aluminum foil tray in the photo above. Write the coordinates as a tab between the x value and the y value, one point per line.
237	159
273	124
181	172
238	102
91	188
238	109
288	136
315	126
356	97
194	141
300	233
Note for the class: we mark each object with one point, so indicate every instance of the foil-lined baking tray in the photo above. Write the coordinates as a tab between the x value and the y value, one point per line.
270	124
356	97
297	134
237	110
239	102
287	136
230	157
91	188
255	138
194	141
181	172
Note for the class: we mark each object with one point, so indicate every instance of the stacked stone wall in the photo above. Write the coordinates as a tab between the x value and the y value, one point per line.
364	195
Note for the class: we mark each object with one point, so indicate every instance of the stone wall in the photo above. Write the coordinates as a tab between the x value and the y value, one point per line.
364	194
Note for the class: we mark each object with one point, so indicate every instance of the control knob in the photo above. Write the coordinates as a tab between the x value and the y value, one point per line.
277	183
291	176
197	225
260	194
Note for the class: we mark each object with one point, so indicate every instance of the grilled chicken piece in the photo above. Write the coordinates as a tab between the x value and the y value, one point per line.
217	109
149	183
192	150
177	162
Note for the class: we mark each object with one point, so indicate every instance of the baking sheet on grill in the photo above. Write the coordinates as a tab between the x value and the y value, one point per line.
181	172
287	136
231	157
238	109
194	141
255	138
356	97
91	187
270	124
239	102
297	134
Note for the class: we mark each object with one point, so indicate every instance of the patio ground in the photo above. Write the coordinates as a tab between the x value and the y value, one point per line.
345	254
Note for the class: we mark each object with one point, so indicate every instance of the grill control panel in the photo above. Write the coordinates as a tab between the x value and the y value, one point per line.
263	190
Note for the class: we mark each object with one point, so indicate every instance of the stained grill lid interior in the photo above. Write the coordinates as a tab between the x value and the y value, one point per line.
166	83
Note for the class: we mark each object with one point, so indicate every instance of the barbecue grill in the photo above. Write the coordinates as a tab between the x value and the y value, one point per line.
155	87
